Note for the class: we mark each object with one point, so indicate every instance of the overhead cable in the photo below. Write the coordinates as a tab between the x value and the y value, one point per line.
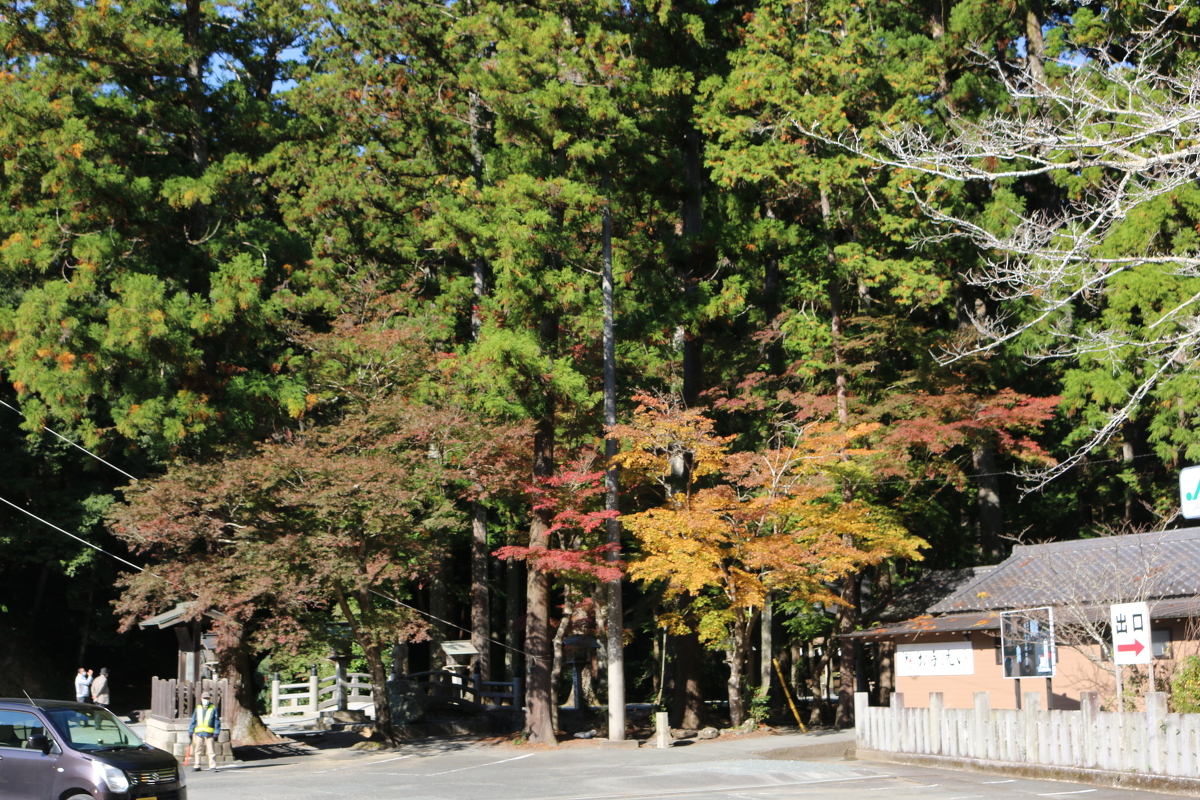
74	444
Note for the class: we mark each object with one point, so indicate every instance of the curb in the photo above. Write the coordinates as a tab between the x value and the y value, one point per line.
1092	777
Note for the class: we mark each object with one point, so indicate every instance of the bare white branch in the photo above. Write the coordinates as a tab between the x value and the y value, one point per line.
1125	134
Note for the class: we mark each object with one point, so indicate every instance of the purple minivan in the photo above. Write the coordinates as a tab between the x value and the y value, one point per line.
54	750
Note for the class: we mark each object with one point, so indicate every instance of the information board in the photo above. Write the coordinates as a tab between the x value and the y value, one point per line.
1027	643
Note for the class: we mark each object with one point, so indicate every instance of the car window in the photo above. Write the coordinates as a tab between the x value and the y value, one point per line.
91	728
17	726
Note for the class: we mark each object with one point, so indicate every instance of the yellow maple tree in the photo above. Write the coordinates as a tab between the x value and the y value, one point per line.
737	526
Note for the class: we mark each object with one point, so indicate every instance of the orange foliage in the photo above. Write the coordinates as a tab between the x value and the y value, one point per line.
750	523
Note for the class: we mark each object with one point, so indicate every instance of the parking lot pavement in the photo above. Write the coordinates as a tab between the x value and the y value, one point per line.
463	770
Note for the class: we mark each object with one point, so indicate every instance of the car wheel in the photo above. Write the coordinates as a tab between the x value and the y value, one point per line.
81	796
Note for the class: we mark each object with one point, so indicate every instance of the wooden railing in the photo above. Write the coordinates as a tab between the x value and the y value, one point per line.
455	687
172	700
319	694
311	697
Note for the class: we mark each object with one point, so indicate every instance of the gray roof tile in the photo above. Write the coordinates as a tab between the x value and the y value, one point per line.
1109	569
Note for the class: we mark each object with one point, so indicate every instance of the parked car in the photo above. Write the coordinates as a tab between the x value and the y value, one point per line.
55	750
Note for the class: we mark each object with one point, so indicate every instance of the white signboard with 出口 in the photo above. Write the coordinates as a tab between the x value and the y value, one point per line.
1131	641
942	658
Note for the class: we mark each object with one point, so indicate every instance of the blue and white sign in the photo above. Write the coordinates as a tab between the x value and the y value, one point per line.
1189	492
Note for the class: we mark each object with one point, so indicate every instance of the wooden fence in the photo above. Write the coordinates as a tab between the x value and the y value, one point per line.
1152	742
173	699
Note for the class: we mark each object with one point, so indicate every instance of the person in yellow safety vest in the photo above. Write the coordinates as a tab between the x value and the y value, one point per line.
203	730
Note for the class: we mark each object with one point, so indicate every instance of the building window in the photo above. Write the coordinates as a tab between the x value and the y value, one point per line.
1160	642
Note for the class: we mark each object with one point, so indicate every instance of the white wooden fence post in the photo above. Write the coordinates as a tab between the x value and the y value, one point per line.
979	722
314	690
892	738
1156	715
862	730
936	704
1035	736
1089	706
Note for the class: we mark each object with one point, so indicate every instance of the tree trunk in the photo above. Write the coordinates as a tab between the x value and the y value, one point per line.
835	313
478	264
245	725
847	618
818	670
373	653
439	609
1134	448
737	657
887	672
991	519
481	633
766	647
514	661
539	695
560	635
687	708
1035	46
847	613
692	223
197	105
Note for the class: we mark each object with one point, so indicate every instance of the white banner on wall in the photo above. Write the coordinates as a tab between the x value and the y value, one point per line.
943	658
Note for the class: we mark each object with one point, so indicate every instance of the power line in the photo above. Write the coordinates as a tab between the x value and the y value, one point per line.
143	569
73	444
452	625
128	563
73	536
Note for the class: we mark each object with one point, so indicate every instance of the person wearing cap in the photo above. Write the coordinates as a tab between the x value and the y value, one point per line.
203	730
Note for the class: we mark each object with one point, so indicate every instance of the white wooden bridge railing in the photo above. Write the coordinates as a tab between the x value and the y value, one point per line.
318	694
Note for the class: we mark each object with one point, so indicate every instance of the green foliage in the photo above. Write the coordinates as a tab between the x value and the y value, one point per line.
1185	686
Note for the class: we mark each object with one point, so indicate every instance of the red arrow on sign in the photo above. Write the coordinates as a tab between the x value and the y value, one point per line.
1137	648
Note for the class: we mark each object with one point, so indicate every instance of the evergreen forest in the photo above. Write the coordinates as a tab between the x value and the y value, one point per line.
703	328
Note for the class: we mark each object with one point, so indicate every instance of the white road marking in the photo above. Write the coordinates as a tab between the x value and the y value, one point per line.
476	766
355	766
1059	794
990	783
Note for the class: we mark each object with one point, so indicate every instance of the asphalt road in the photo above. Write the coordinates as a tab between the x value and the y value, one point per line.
715	770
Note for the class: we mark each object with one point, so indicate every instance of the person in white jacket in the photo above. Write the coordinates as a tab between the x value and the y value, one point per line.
83	681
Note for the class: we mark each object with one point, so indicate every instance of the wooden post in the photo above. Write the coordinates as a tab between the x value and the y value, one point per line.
788	694
1089	705
862	728
275	693
979	726
314	690
1156	714
936	704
